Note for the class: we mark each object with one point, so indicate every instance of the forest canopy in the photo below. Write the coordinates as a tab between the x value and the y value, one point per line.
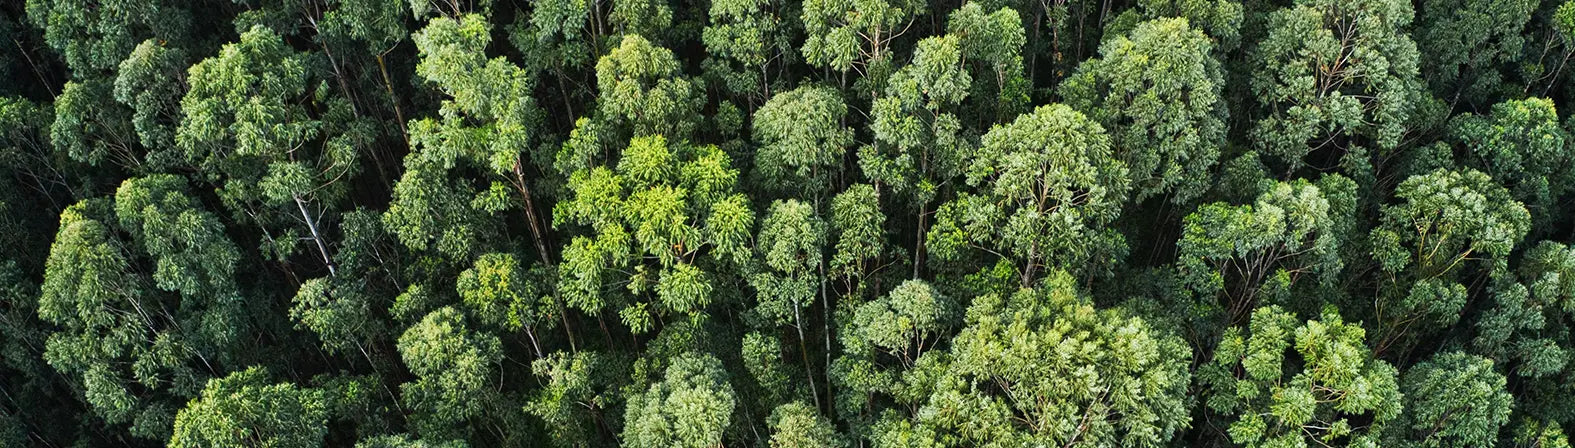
787	223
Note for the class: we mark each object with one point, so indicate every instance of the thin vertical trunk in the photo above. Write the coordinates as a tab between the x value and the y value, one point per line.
317	237
918	244
825	315
530	212
803	351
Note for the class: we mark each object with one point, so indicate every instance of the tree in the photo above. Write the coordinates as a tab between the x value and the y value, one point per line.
858	225
404	441
94	37
1336	392
744	41
992	44
571	400
642	89
1220	19
498	292
791	242
797	425
452	365
246	127
1468	45
1446	220
1047	185
139	341
1527	329
1335	74
1521	145
1062	372
847	34
690	407
340	315
1263	249
919	144
1453	399
802	141
884	344
659	221
242	409
152	81
91	128
486	124
1158	93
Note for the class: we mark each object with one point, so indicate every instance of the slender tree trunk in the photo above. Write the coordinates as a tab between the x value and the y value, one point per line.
564	316
388	84
803	351
825	316
317	237
918	243
530	212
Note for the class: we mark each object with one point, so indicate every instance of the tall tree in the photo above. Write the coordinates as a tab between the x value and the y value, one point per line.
1453	399
1158	92
659	223
242	409
802	141
690	407
1446	220
1338	392
1255	253
1047	186
1335	75
453	366
1062	373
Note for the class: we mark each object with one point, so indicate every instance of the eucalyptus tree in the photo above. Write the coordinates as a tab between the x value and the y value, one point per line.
1158	92
243	409
248	128
1047	186
1527	329
1337	392
659	222
453	367
884	346
1443	222
142	322
472	162
1522	147
797	425
748	47
801	142
1258	253
562	38
691	407
1335	79
1220	19
855	35
1452	399
94	37
1469	44
1062	373
573	401
992	45
920	143
642	91
858	227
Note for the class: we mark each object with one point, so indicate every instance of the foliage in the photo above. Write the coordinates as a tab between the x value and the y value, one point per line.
689	408
1158	93
243	409
1063	373
1331	389
761	223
